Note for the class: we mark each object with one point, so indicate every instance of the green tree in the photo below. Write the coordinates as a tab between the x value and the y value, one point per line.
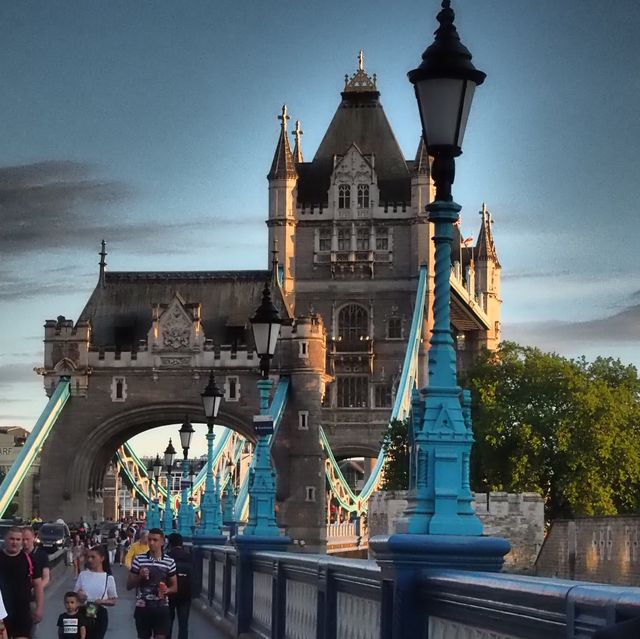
569	429
394	444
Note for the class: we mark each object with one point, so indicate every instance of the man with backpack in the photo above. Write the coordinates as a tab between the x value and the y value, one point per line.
180	602
17	580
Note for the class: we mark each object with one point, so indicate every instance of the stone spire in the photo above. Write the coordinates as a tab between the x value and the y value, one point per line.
360	81
103	264
283	165
421	164
297	147
485	247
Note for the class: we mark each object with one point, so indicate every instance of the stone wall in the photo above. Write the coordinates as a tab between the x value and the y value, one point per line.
517	517
602	549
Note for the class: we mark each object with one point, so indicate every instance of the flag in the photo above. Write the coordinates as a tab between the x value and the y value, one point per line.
468	242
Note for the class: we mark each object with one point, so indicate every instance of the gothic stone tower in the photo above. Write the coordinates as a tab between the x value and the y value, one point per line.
352	232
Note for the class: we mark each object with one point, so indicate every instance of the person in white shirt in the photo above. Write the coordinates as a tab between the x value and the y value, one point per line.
96	589
3	616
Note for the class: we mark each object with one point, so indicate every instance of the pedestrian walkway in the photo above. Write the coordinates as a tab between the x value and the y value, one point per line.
121	623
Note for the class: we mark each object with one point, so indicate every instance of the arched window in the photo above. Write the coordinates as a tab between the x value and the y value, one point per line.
344	196
394	328
363	196
353	323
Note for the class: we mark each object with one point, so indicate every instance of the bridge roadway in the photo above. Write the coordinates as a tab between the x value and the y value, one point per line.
120	616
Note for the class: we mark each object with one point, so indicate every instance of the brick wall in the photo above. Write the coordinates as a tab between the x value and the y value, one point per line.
601	549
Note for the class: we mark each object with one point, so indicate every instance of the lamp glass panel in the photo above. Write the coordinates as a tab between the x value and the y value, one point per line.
439	102
273	338
185	437
208	403
261	338
216	405
466	108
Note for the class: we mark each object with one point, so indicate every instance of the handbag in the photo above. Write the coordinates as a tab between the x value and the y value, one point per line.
94	611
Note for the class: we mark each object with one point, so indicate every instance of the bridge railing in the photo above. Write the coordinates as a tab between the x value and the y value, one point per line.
276	594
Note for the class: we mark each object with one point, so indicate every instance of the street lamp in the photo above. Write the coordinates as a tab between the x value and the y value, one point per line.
186	433
228	514
169	458
443	528
210	530
153	510
266	325
444	84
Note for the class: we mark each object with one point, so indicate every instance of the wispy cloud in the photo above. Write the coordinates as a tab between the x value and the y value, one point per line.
11	374
620	327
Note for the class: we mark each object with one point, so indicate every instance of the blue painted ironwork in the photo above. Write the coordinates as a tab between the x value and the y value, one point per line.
37	437
184	518
262	478
167	520
210	511
439	495
278	405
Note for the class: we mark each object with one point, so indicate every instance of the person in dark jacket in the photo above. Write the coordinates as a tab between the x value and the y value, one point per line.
180	602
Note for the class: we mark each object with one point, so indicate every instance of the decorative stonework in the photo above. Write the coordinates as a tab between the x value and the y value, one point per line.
262	587
357	618
119	389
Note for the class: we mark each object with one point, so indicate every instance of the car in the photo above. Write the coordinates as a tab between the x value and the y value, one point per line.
54	537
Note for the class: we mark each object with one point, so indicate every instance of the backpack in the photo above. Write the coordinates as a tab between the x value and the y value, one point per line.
184	573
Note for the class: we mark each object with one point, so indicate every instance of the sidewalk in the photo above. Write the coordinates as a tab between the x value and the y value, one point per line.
121	623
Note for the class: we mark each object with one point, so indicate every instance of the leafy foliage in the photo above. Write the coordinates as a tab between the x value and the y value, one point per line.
394	444
569	429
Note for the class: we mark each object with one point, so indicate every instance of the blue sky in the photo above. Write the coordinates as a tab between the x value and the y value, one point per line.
153	123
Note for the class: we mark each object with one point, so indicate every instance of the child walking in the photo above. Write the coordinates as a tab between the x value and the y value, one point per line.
71	624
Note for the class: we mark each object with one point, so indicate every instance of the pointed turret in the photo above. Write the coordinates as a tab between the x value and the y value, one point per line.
297	147
485	246
103	264
283	184
283	165
422	164
488	279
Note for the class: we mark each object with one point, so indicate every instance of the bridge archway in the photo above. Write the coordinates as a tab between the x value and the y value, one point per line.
97	450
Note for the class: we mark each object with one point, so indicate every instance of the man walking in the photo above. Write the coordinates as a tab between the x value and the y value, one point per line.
180	602
153	575
40	563
17	579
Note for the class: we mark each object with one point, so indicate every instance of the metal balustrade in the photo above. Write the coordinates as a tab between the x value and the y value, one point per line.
294	596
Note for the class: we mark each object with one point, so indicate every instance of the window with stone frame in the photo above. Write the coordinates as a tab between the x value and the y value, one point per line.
362	239
344	196
363	196
344	238
353	391
324	239
382	395
353	323
382	238
394	328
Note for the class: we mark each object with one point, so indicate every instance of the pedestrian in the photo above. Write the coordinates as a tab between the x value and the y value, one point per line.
17	581
71	623
40	561
153	575
96	588
77	555
112	545
3	618
124	547
180	602
137	548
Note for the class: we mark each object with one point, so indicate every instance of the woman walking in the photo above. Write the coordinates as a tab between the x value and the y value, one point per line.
112	545
96	589
77	555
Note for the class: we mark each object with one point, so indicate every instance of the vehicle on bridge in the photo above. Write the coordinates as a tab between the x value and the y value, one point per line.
54	537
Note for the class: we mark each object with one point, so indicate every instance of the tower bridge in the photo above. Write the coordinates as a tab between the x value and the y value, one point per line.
352	240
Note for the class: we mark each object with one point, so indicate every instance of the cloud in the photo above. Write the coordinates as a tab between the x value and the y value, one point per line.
14	286
11	374
621	327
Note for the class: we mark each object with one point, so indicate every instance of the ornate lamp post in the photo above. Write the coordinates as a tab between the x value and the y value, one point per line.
184	524
210	530
228	510
169	458
441	525
153	511
157	470
266	325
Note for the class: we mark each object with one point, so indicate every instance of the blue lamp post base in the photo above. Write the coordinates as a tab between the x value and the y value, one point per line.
404	557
